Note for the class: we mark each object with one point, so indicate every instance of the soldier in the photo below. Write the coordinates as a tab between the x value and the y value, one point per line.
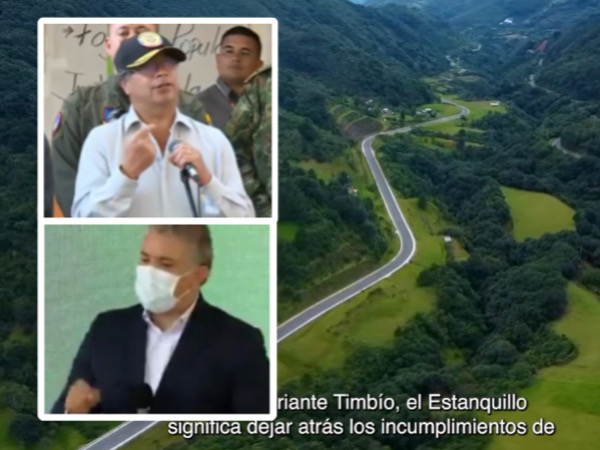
90	106
250	134
238	58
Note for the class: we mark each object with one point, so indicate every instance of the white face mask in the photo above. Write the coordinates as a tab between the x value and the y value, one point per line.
155	288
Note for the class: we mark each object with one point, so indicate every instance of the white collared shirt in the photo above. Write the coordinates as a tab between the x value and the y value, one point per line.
160	346
102	190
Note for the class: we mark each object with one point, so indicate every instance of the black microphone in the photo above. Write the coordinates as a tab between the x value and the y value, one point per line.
188	170
142	398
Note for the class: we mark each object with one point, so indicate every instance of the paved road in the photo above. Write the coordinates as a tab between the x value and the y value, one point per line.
407	239
557	143
119	436
126	432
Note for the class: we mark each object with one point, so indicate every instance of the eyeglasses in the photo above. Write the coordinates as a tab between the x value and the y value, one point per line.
152	66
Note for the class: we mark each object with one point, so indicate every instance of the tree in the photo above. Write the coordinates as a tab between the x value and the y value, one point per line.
18	397
26	429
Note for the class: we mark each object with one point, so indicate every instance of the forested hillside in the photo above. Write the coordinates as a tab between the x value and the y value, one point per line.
482	14
325	51
490	330
571	65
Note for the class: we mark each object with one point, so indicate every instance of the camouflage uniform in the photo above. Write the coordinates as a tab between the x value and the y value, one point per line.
84	109
250	134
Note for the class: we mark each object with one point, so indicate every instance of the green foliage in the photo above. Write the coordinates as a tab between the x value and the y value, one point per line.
549	348
26	429
329	217
493	308
17	397
571	65
591	279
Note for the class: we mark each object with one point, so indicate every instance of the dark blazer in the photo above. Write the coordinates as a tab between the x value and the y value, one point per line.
219	365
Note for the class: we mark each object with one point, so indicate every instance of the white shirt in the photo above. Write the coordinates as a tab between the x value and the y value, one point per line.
160	346
102	190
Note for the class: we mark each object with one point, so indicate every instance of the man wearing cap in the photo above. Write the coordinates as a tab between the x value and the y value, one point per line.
90	106
238	58
134	166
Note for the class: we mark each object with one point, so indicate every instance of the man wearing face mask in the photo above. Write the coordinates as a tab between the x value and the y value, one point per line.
194	358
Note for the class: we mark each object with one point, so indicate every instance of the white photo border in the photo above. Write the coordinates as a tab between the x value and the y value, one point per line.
66	221
164	20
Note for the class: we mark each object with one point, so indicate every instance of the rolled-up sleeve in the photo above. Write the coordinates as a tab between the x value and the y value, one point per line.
226	188
100	191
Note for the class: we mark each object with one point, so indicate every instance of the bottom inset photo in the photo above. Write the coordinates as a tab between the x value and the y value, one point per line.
157	322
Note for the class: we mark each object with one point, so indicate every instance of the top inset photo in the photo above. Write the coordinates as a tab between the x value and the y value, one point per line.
172	119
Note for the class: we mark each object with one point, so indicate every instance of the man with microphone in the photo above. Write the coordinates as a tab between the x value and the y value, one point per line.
154	161
89	106
173	353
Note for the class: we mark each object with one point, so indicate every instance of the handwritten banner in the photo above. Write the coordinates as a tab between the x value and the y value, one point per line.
75	56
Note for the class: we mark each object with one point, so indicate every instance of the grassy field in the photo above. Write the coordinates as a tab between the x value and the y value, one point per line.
567	395
438	85
68	438
443	109
157	438
372	316
536	213
478	110
435	142
325	170
452	127
326	286
460	254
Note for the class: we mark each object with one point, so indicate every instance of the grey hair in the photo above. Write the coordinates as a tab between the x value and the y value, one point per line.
198	235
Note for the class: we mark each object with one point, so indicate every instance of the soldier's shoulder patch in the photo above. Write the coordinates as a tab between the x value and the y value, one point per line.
108	113
57	123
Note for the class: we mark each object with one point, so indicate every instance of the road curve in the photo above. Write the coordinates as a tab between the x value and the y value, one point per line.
128	431
407	247
407	250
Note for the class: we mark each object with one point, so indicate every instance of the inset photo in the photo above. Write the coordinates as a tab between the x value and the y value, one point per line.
157	322
171	119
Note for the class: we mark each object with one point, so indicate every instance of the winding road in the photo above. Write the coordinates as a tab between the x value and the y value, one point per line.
408	243
128	431
557	143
